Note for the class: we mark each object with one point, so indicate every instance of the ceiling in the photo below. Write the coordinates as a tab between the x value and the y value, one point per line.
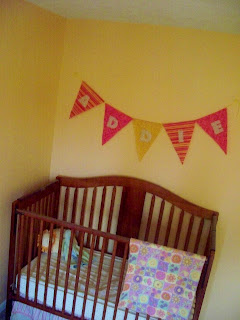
215	15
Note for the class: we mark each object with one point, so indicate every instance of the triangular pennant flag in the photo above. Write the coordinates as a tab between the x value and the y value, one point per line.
215	125
86	99
180	133
145	133
114	121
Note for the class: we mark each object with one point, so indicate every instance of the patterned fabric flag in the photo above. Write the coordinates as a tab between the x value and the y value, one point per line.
215	125
180	133
160	281
114	121
86	99
145	134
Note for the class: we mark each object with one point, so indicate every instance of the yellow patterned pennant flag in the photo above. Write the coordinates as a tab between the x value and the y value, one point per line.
145	133
180	133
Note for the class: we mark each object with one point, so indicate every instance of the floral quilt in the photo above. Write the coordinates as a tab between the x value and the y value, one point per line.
160	281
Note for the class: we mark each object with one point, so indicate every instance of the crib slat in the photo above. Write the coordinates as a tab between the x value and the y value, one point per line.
20	251
51	204
101	215
126	314
38	260
149	218
189	233
46	211
137	315
111	212
45	206
49	199
81	241
91	214
66	202
207	244
48	263
180	222
169	226
200	229
88	275
121	279
102	209
159	221
40	206
35	231
74	209
83	206
29	256
98	277
109	279
67	271
58	266
111	209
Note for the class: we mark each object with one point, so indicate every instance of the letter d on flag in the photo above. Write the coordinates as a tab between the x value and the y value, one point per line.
145	134
114	121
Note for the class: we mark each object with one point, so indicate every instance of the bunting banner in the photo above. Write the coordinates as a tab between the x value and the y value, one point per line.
215	125
145	134
86	99
180	134
114	121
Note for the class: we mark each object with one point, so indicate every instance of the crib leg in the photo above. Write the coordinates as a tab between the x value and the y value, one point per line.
8	309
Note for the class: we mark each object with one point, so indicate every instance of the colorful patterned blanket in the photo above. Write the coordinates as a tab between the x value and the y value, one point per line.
160	281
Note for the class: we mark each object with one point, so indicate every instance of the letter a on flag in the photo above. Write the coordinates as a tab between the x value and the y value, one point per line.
180	133
215	125
86	99
145	134
114	121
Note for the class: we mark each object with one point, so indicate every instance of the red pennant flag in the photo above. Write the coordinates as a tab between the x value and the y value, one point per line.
180	133
114	121
215	125
86	99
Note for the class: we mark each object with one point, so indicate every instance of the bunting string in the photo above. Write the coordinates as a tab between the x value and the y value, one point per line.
146	132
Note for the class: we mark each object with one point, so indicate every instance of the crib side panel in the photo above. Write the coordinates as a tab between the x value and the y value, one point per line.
170	225
102	279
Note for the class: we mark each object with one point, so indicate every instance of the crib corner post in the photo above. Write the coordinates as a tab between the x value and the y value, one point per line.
203	288
209	264
8	309
11	261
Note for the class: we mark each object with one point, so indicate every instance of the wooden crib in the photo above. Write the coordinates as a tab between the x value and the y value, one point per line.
103	213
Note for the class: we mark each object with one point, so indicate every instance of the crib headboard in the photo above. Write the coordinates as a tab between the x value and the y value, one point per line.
136	208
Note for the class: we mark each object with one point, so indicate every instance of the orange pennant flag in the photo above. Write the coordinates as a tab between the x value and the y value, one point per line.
145	134
86	99
180	133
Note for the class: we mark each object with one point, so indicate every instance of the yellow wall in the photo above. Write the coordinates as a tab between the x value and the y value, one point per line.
159	74
30	56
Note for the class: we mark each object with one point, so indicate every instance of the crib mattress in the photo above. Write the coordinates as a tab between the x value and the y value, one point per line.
81	286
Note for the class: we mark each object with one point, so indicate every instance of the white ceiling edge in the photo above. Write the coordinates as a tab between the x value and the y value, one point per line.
212	15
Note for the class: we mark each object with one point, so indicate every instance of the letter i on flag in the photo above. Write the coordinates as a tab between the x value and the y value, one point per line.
145	134
86	99
215	125
180	133
114	121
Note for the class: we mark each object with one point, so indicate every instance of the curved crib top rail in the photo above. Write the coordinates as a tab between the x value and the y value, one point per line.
138	184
